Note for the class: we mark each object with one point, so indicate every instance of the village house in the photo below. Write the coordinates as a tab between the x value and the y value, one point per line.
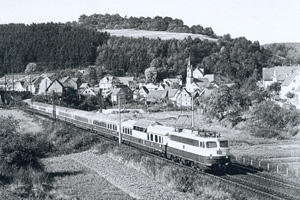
88	91
127	90
118	94
291	84
69	82
43	85
83	86
184	98
107	82
20	86
56	87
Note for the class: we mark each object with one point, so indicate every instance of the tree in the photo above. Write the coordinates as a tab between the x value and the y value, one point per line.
151	74
274	88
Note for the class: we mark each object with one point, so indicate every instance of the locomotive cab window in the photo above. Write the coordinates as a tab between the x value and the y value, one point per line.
211	144
223	143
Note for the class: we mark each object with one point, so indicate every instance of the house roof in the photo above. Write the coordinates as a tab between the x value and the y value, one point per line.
154	95
201	82
84	85
53	83
37	81
297	90
115	91
289	79
172	92
125	80
145	89
64	79
126	89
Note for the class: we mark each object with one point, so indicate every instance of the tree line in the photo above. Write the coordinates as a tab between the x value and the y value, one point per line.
51	45
157	23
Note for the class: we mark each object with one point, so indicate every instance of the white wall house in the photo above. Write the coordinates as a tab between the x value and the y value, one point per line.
44	84
290	84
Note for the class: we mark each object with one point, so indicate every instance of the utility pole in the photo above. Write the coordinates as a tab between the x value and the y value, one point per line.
192	110
54	106
5	83
120	135
181	102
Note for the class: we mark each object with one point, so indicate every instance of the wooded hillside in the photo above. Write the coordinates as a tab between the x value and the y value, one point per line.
52	46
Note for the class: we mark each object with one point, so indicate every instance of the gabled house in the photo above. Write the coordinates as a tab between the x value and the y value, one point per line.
69	82
290	84
198	73
83	86
118	94
127	90
88	92
43	85
107	82
20	86
185	97
156	96
56	87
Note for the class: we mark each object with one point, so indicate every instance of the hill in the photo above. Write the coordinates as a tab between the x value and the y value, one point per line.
164	35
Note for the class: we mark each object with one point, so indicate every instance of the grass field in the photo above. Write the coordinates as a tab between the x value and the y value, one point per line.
155	34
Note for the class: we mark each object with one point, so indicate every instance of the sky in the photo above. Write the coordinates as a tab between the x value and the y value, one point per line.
266	21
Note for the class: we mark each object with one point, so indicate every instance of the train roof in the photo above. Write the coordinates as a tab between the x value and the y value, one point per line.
128	123
40	104
159	129
196	135
144	123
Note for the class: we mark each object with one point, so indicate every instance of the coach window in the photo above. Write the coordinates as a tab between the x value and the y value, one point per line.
201	144
156	139
147	136
159	139
151	137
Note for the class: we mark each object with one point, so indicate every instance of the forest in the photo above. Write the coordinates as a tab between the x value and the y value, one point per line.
52	46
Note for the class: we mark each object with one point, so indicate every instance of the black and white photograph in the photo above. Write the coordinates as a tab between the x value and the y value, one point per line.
149	99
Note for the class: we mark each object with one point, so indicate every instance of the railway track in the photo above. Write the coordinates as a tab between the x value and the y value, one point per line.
262	185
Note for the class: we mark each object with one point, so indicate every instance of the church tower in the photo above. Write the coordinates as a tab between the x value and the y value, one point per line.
189	72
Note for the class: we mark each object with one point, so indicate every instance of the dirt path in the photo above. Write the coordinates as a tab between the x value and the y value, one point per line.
131	181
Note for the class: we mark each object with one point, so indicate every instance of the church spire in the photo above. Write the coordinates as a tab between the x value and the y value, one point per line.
189	75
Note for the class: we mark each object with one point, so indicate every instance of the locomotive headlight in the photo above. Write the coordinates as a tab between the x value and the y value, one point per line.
210	157
227	156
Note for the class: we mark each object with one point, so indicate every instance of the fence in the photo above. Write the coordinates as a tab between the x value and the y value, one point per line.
278	168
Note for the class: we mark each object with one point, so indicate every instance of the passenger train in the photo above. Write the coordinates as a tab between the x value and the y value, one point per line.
199	149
